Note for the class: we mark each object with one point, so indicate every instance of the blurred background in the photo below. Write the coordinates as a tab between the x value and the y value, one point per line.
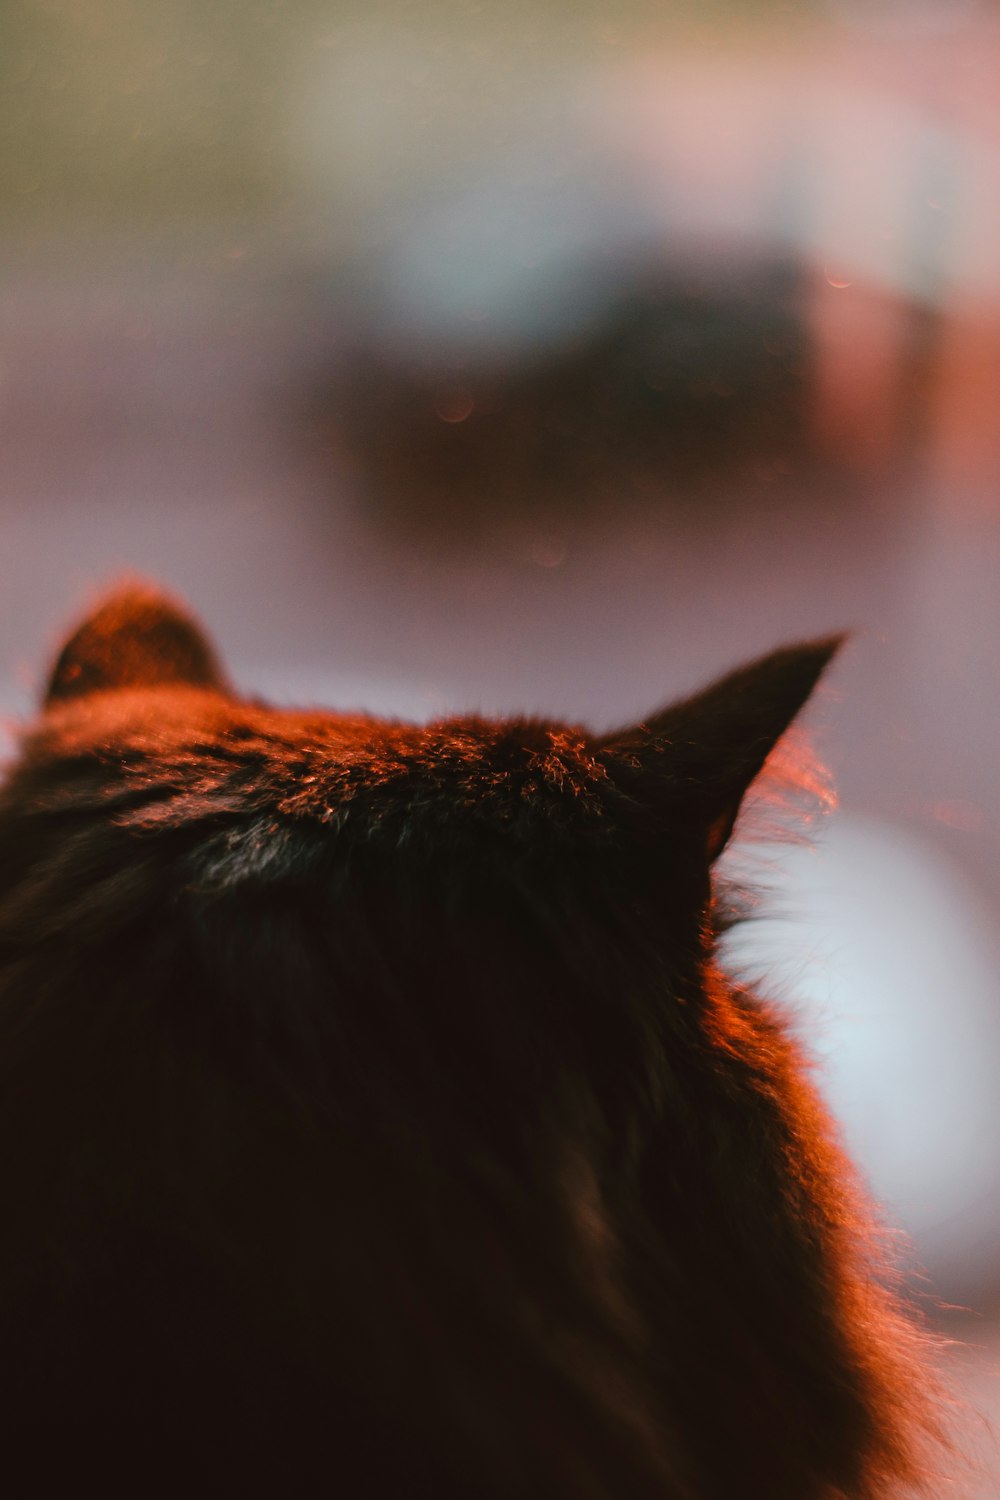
554	356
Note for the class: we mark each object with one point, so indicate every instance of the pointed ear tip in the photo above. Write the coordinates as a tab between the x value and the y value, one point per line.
789	675
830	644
824	648
817	654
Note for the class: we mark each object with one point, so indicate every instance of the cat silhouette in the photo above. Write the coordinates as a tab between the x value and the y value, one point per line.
377	1119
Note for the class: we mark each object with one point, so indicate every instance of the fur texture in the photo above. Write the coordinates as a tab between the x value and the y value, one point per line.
376	1122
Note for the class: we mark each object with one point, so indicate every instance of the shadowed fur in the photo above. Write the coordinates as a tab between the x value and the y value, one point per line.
377	1123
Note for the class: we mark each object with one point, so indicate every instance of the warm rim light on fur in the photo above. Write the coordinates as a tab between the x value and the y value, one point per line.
383	1122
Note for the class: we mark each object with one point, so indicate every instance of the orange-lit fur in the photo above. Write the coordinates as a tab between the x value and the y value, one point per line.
378	1123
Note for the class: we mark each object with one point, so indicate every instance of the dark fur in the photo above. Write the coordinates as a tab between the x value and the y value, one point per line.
376	1122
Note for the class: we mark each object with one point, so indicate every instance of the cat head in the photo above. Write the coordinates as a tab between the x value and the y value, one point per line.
449	866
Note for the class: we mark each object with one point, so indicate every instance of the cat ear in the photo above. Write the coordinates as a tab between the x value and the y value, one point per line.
138	637
694	761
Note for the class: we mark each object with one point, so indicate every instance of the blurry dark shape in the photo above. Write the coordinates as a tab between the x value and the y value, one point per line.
683	381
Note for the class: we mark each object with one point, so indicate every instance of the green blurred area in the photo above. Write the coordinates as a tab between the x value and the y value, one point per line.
129	109
138	113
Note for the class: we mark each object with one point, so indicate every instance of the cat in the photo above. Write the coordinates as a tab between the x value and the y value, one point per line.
377	1121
